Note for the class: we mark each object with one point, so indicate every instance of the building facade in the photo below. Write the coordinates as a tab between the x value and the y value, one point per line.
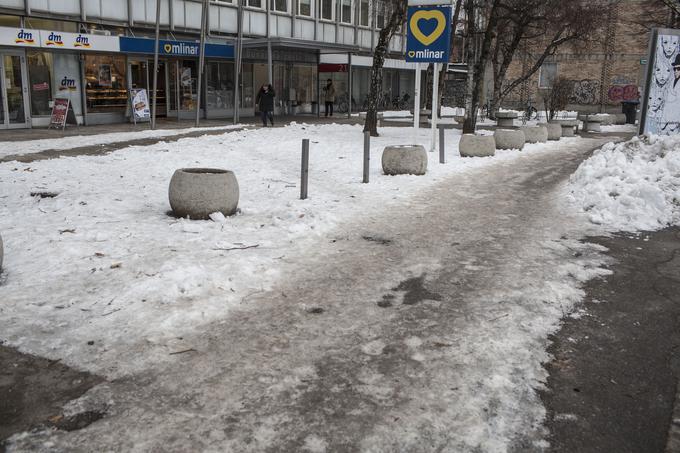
94	51
603	74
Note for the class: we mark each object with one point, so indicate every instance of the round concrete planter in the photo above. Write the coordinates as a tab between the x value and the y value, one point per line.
535	134
404	160
568	127
620	118
606	119
506	119
1	252
198	192
472	145
554	131
509	139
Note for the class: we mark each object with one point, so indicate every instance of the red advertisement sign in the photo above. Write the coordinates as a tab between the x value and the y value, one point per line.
59	112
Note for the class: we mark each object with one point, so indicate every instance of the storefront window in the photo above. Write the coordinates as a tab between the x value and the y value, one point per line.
363	13
327	7
105	79
40	81
188	83
380	18
305	7
304	88
360	86
220	86
347	11
247	95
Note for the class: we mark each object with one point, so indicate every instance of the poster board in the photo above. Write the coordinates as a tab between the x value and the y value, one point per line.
660	114
62	113
139	105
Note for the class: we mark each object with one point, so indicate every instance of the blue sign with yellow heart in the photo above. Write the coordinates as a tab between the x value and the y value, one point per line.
429	34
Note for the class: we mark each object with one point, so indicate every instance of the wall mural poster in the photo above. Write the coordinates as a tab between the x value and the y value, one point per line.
662	112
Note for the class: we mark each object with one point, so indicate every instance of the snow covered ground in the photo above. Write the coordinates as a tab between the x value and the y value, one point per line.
104	256
12	148
103	261
631	186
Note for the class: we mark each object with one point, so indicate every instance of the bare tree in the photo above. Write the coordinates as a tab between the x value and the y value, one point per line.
557	96
484	12
395	20
539	28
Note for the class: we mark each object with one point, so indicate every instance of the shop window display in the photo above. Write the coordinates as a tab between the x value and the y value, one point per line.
40	69
105	83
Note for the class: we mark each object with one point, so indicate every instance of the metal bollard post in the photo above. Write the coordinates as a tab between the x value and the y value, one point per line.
442	154
367	155
304	174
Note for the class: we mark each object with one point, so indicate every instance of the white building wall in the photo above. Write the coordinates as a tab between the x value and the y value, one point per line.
186	14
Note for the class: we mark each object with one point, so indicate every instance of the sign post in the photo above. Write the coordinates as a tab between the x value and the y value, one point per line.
428	41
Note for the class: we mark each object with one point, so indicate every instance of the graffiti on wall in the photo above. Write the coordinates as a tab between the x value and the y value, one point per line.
618	93
585	91
662	114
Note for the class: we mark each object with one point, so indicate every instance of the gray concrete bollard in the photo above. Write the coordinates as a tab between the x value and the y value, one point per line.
304	173
367	156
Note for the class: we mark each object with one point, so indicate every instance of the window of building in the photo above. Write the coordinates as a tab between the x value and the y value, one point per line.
55	25
247	94
220	86
547	74
363	13
10	21
305	7
40	81
279	5
380	17
327	9
105	83
346	10
254	3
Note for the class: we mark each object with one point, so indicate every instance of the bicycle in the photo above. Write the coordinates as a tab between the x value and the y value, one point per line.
530	113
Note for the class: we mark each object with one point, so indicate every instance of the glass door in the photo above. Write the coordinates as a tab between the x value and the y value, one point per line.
161	101
14	91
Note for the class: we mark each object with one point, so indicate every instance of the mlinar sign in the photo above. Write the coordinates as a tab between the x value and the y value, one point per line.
175	48
429	34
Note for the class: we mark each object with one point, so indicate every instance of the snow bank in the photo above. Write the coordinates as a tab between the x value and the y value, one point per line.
631	186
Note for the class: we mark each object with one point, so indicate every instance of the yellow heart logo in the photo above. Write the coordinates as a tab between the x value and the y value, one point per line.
427	15
167	48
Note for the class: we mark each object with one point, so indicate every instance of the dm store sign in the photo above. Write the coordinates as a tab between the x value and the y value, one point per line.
429	34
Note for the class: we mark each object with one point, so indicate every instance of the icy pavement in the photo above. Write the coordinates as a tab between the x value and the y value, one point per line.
17	148
409	314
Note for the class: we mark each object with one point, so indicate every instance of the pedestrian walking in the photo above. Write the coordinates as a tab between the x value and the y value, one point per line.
265	103
329	96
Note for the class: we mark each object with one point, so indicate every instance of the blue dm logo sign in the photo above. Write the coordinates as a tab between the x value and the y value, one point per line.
429	34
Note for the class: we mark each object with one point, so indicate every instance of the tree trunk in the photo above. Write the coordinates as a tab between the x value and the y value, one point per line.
375	88
442	73
479	68
429	78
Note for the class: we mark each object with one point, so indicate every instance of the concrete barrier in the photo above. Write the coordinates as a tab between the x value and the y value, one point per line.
509	139
404	160
620	118
472	145
591	123
506	119
198	192
568	127
554	131
606	119
535	134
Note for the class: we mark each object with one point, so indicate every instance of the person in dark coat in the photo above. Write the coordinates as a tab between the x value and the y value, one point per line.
265	103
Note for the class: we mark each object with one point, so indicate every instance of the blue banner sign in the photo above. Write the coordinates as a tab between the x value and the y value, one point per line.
175	48
429	34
